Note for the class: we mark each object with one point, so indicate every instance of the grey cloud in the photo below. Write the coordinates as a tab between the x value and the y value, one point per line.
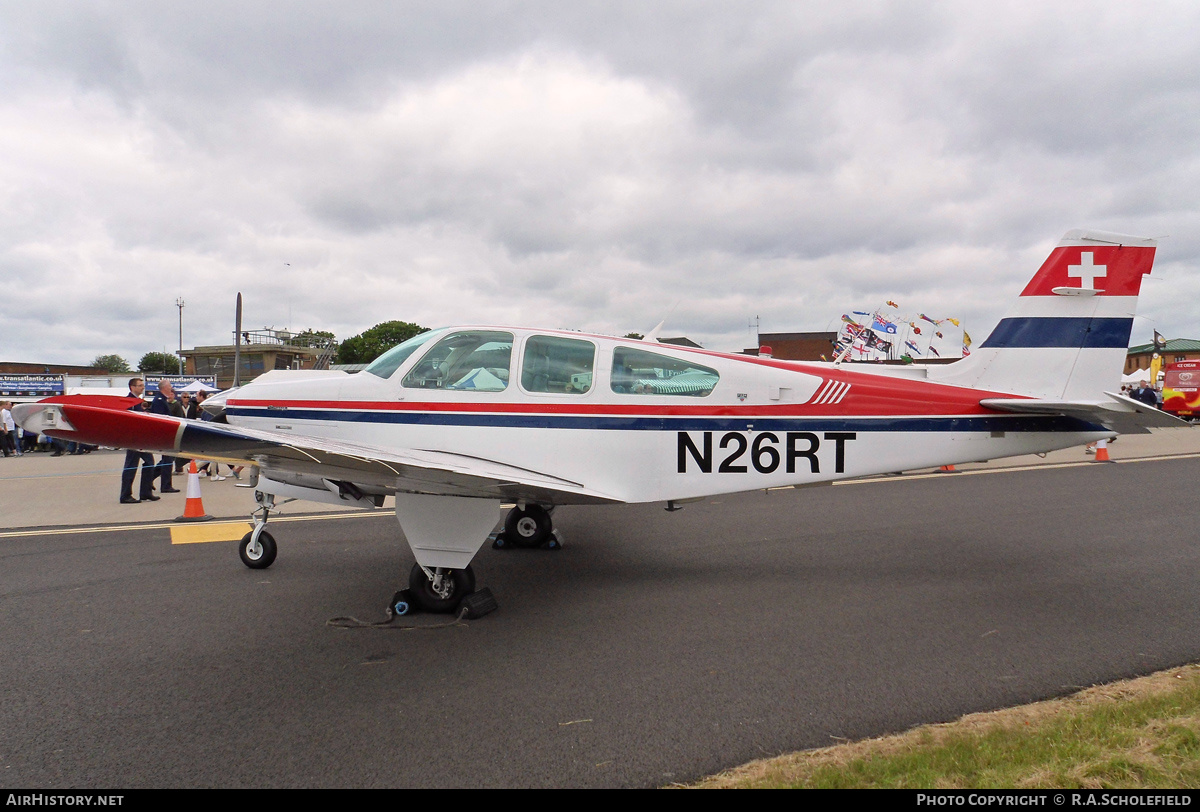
590	165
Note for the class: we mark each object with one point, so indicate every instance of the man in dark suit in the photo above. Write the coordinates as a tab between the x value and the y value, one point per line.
1145	394
165	403
136	387
189	411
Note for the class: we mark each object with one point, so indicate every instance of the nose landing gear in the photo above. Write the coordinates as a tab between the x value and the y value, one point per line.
258	548
258	553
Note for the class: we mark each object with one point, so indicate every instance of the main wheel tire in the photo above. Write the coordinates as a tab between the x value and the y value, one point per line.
261	555
459	583
529	527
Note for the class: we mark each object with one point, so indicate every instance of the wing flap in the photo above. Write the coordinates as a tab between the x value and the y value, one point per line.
1121	414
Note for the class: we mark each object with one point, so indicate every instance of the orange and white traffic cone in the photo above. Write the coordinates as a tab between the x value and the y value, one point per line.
193	509
947	469
1102	452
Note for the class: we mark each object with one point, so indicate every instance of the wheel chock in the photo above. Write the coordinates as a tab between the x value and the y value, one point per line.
401	604
500	542
479	603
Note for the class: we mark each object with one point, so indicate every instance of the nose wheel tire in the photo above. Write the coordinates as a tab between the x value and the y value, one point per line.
456	585
529	527
258	555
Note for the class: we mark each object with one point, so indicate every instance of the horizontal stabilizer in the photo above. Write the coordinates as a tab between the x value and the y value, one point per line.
1122	414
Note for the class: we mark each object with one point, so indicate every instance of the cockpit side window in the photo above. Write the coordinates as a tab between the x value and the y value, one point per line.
385	365
555	364
638	372
469	360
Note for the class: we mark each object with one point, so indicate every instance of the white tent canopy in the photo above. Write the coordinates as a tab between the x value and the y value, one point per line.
1137	376
199	386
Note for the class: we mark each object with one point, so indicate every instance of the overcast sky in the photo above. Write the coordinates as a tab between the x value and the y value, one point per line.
598	166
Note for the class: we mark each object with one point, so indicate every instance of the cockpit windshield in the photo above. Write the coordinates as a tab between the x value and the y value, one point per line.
390	361
475	360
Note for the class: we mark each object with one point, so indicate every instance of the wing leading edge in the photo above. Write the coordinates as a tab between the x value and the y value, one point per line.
279	455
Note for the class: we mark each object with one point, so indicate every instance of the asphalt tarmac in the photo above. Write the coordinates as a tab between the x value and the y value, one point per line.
653	648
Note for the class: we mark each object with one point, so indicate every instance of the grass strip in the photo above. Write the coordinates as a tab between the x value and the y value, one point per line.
1137	734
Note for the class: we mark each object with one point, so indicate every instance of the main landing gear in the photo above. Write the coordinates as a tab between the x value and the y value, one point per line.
442	590
528	527
443	532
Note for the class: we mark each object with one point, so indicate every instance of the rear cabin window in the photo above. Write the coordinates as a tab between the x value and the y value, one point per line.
469	360
560	365
638	372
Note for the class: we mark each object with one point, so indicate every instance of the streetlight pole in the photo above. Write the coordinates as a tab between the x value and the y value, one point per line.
237	344
179	304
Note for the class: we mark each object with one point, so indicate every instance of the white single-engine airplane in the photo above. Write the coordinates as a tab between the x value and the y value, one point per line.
457	421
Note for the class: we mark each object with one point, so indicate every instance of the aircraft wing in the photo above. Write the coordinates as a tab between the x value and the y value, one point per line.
104	421
1122	414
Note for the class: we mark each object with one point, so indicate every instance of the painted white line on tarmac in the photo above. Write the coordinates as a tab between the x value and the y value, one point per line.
59	475
309	517
1014	468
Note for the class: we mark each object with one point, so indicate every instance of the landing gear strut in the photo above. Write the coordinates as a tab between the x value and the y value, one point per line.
444	533
258	548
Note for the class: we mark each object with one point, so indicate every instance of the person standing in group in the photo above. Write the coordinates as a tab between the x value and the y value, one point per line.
8	426
189	411
136	387
207	468
165	403
1145	394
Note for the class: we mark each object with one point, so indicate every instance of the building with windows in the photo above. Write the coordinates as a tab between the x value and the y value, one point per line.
797	346
261	351
1176	349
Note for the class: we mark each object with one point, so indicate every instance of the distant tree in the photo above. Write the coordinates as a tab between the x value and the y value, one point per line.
312	338
638	336
370	344
163	362
111	363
